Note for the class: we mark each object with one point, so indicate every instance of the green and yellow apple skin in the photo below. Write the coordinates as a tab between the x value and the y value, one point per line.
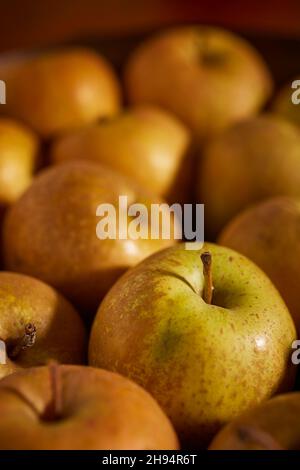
253	160
208	77
145	143
268	234
205	364
60	334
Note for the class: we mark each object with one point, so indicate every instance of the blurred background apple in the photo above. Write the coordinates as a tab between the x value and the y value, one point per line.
206	76
145	143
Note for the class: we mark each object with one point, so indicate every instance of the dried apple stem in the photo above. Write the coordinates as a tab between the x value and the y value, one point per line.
207	273
56	388
27	340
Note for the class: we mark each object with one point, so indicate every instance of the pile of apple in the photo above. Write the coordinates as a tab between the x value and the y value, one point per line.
202	339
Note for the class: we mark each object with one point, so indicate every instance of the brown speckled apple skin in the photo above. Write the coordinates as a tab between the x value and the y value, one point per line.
60	334
278	419
100	410
50	233
205	364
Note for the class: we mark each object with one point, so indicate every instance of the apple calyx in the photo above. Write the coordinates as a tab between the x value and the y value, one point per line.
206	259
255	435
27	341
213	58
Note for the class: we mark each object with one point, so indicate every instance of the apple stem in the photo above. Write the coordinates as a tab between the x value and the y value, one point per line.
206	259
27	340
56	387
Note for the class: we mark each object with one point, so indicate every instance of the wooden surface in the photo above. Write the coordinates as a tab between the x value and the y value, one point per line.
34	23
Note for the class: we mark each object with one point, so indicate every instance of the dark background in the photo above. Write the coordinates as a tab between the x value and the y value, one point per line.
38	22
116	26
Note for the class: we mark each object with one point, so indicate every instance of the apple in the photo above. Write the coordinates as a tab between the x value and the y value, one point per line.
50	232
18	159
79	408
36	324
145	143
268	234
205	354
60	90
287	102
251	161
19	148
273	425
208	77
2	215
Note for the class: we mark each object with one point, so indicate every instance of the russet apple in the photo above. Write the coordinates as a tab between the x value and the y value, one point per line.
145	143
50	232
206	76
18	159
205	354
36	324
268	234
60	90
2	215
63	407
251	161
273	425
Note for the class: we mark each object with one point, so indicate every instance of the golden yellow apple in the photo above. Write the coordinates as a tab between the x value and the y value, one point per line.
18	159
208	77
144	143
60	90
